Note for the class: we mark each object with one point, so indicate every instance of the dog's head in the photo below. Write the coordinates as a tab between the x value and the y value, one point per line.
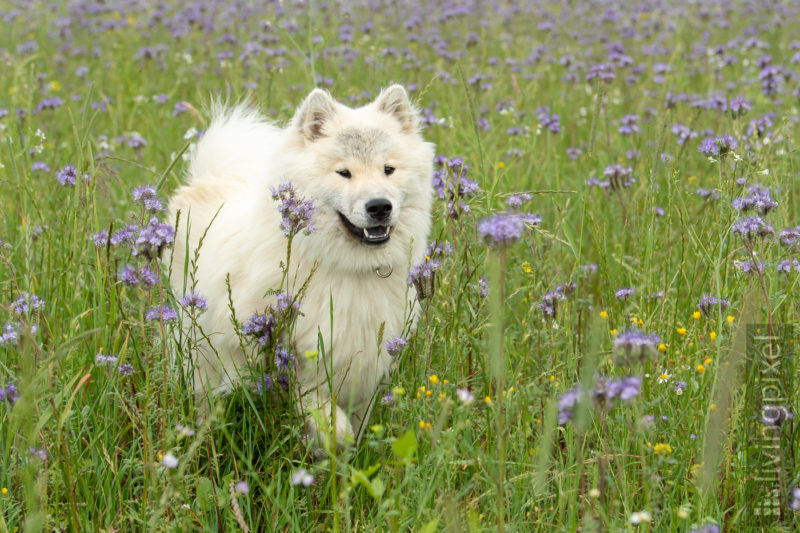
370	173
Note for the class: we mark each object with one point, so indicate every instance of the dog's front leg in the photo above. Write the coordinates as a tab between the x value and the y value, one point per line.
325	419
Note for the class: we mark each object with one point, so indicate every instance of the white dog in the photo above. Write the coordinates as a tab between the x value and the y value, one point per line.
369	173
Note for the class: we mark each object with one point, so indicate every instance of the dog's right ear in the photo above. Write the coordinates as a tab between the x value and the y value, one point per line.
317	109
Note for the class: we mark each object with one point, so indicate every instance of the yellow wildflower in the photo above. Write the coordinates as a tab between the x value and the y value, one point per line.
662	448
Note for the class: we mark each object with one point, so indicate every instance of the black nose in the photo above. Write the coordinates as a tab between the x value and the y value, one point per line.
379	208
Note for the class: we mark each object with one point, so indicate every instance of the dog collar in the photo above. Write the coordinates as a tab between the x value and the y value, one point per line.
381	272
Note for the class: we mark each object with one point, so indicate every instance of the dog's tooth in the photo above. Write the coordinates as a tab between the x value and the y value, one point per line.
366	233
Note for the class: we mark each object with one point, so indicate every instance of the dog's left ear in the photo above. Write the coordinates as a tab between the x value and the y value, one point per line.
394	101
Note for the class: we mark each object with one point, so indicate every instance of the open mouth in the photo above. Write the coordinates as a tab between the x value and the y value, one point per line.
372	236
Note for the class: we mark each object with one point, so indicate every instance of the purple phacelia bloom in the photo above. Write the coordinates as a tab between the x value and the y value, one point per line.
452	184
9	394
148	197
265	384
757	198
284	305
26	303
548	120
549	304
787	265
606	390
125	369
516	200
296	213
395	346
136	141
751	228
739	106
567	402
618	177
708	194
718	146
388	398
194	300
574	152
153	238
9	336
106	361
179	109
504	229
624	293
422	275
284	359
40	166
129	276
679	387
635	344
629	124
260	326
775	415
124	235
164	313
483	287
709	303
684	134
67	176
100	238
789	237
749	267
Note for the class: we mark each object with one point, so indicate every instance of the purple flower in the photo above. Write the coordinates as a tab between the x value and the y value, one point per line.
194	300
180	108
775	415
100	238
124	235
9	394
758	199
618	176
739	106
452	184
421	275
679	387
296	213
606	390
629	124
708	194
153	238
751	228
388	398
105	360
635	344
624	293
136	141
67	176
787	265
129	276
505	229
265	384
548	120
40	165
567	402
283	358
573	152
26	303
148	197
125	369
789	237
465	396
9	336
708	303
718	146
707	528
241	488
395	346
516	200
164	313
749	267
260	326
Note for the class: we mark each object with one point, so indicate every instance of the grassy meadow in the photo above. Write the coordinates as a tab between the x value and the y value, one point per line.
601	371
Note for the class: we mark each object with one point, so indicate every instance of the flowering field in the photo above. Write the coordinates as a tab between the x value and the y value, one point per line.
617	213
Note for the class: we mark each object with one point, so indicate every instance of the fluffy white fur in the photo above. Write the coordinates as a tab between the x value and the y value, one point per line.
239	161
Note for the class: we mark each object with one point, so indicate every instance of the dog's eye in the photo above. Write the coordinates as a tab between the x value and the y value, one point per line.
344	173
388	170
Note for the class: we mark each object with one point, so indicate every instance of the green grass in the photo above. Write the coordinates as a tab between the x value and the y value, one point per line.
427	462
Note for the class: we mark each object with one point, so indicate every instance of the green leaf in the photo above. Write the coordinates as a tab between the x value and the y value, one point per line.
406	446
204	491
430	527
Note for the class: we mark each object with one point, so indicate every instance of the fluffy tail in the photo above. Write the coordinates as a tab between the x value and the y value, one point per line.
236	147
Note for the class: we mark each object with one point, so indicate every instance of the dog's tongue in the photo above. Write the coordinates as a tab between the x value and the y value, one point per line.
376	232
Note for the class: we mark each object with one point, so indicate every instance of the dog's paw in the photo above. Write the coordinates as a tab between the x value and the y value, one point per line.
322	424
